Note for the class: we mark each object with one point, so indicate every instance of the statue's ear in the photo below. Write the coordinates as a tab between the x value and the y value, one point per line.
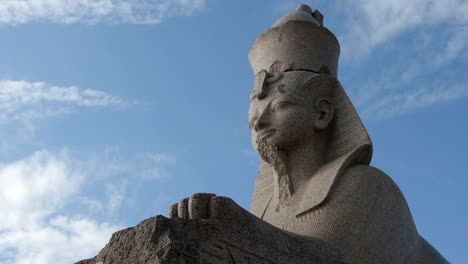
325	112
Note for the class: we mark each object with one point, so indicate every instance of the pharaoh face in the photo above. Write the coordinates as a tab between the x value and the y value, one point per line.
285	118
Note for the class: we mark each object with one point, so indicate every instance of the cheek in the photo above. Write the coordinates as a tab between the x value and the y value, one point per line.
295	123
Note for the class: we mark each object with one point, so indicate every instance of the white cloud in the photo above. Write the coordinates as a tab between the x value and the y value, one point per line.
455	46
406	85
59	240
371	23
153	165
407	101
115	195
95	11
34	187
415	43
51	202
23	104
33	192
121	178
27	101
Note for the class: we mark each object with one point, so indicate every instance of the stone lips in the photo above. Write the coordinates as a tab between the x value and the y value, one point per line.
161	240
301	45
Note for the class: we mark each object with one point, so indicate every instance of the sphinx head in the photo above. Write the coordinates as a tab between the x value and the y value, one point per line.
294	109
300	116
297	100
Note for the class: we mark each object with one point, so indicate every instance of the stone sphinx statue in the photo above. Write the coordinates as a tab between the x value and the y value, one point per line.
315	179
316	194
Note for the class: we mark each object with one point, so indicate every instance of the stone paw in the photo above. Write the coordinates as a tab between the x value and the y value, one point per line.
204	206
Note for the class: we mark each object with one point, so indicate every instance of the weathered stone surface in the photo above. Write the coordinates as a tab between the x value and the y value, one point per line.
161	240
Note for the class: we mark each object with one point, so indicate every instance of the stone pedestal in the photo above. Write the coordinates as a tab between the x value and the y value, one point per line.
161	240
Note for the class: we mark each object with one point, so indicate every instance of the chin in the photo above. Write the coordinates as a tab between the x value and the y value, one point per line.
274	142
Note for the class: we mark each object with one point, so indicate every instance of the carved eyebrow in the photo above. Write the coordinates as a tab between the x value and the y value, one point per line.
262	83
273	78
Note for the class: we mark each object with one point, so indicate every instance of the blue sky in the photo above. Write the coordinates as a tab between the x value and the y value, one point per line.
112	110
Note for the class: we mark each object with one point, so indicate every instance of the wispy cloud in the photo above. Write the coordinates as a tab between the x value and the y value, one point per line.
407	101
370	23
27	101
455	47
415	45
112	162
406	85
120	176
24	105
95	11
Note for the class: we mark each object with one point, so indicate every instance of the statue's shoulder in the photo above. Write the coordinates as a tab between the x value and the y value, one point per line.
342	183
365	172
375	196
369	178
357	184
364	185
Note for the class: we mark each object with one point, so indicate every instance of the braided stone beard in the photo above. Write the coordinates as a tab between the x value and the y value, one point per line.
278	159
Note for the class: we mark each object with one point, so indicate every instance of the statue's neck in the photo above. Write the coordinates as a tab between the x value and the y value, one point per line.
297	167
304	162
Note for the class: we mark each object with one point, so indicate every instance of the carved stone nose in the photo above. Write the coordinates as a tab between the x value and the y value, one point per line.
260	124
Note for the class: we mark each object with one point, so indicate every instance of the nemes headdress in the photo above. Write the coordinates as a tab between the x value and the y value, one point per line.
300	42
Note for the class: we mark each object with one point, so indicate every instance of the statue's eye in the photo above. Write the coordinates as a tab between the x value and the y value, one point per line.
281	105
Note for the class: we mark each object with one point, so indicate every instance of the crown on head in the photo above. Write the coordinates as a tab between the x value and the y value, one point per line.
298	41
